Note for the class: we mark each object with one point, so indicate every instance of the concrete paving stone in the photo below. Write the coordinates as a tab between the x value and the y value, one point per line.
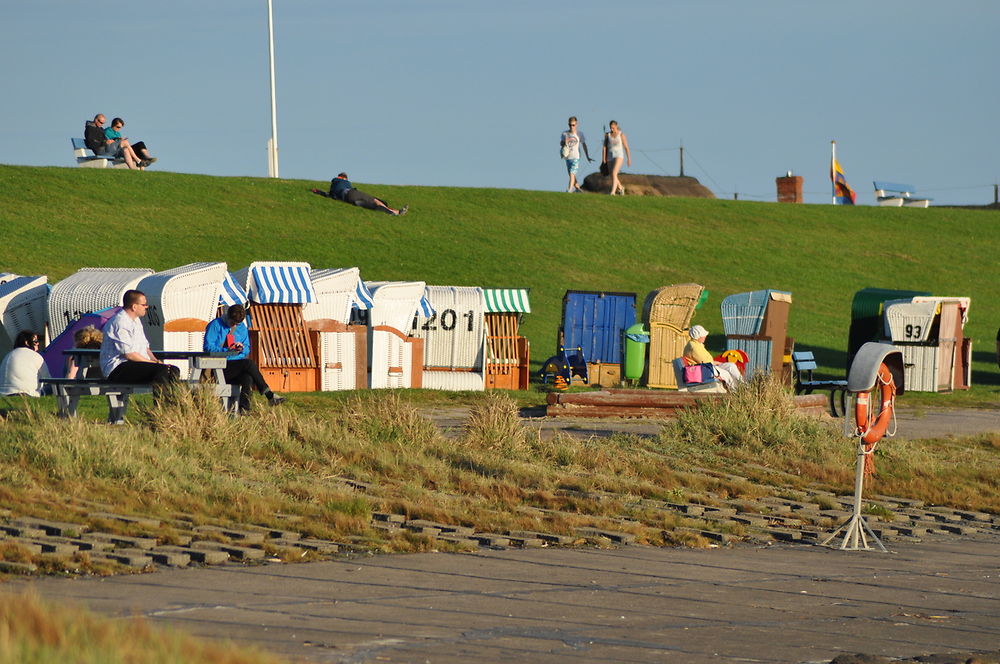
318	545
836	515
526	542
203	556
748	520
548	538
719	511
490	539
613	535
457	539
974	516
389	518
235	551
11	567
57	528
422	530
135	558
883	532
785	534
82	544
141	521
21	531
710	535
443	527
170	558
52	546
959	529
906	502
690	509
386	526
240	536
121	540
287	544
910	531
275	533
177	539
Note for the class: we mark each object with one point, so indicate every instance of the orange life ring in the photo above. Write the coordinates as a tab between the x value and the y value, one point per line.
871	427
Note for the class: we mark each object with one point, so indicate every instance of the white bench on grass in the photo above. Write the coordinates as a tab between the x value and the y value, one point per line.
85	158
893	194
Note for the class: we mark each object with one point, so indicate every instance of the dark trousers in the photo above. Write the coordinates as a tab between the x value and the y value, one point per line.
145	373
246	374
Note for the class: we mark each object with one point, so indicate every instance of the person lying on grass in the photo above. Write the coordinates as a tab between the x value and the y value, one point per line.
341	189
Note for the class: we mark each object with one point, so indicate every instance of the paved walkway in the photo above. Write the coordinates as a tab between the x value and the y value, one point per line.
784	603
911	423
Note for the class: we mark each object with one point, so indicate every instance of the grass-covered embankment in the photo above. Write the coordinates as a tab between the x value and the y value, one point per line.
56	220
496	476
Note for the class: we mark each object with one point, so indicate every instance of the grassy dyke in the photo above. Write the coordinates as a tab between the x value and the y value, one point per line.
56	220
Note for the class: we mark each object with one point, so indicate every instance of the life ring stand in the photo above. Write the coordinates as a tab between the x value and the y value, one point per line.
872	425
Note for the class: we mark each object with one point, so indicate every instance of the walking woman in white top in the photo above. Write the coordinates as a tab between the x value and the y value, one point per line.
615	151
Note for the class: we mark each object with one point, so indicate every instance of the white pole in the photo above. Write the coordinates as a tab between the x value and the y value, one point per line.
272	153
833	171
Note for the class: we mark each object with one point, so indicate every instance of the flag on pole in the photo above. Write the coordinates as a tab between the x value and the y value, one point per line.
843	194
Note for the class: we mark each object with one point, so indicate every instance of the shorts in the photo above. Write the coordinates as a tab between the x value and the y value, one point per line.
572	165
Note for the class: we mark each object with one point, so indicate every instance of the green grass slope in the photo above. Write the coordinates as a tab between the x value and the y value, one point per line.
56	220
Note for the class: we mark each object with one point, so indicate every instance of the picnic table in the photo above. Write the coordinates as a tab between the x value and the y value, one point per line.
200	363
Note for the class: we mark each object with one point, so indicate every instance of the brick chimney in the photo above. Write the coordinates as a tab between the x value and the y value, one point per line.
789	188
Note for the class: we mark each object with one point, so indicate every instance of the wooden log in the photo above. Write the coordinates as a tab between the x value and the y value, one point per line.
608	404
563	410
647	399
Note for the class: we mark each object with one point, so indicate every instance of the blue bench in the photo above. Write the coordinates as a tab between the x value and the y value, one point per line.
893	194
804	364
85	158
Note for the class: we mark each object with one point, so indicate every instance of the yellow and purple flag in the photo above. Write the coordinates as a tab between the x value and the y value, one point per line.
843	194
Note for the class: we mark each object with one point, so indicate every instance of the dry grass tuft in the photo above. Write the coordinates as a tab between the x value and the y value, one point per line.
35	631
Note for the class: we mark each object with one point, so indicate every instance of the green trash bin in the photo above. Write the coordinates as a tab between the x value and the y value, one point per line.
636	340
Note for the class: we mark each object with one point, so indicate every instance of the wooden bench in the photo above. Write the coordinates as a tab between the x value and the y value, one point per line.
893	194
69	390
85	158
804	364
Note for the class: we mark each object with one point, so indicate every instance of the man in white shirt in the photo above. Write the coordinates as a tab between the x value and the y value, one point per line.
570	142
125	353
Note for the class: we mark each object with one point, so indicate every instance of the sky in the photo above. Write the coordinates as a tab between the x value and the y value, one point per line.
475	94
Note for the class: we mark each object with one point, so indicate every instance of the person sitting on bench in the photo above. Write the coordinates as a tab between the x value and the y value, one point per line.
85	337
342	190
102	146
114	133
230	333
125	353
696	353
22	367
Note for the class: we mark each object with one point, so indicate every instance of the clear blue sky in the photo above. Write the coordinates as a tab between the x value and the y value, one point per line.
474	93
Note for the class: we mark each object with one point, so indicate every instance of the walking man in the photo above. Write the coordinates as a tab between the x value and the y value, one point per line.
570	143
